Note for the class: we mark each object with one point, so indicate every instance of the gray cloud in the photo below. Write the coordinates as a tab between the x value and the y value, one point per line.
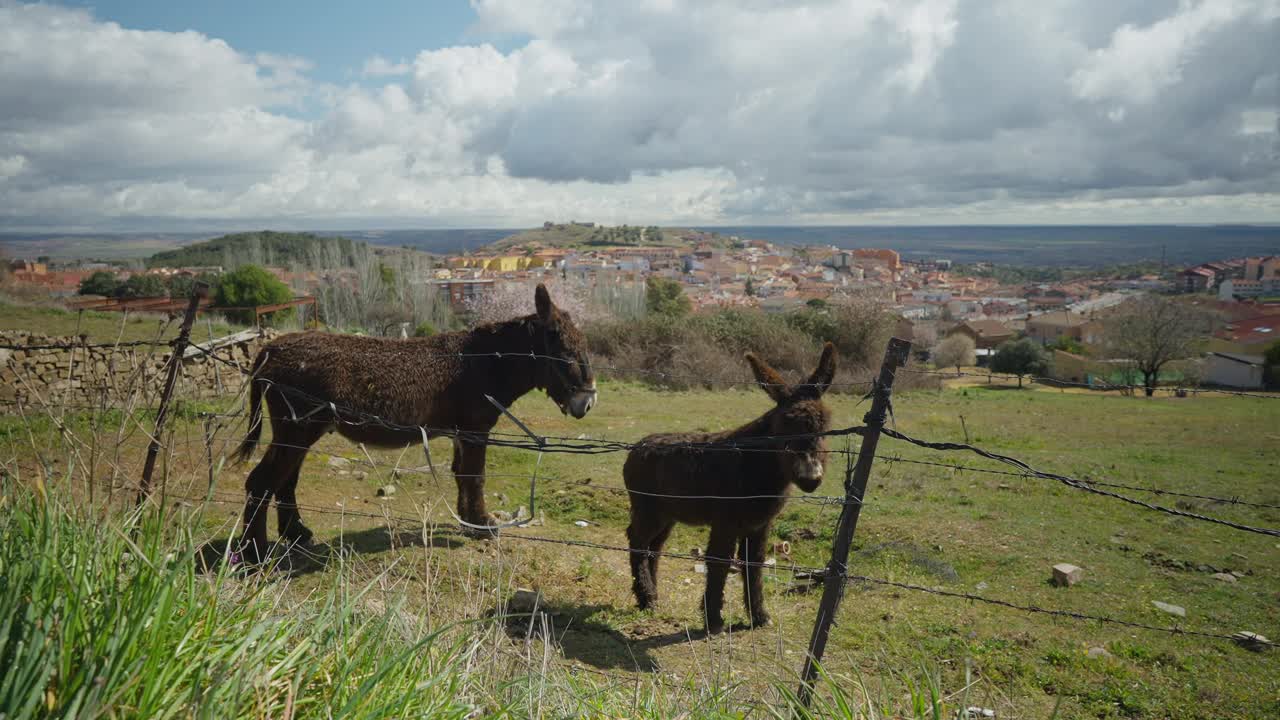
664	111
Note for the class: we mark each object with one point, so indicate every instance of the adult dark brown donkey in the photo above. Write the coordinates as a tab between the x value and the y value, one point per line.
437	383
672	478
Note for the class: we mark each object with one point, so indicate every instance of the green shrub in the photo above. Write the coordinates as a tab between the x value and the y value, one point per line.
101	282
666	297
249	286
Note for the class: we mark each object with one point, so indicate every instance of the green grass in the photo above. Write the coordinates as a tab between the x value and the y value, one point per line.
101	327
891	649
124	618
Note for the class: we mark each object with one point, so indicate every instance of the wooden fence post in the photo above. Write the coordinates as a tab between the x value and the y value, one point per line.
855	487
198	293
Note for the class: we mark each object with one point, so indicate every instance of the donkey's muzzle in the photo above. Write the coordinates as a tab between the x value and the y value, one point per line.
581	403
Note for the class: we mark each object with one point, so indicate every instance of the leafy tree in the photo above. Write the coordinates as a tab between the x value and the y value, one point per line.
955	351
1271	366
250	286
424	329
666	297
143	286
101	282
751	288
1020	357
1154	330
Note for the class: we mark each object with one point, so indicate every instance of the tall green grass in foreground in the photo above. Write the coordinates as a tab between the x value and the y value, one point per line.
113	618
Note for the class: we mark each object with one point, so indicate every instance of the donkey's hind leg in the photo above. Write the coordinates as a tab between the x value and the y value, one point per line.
279	467
299	438
641	533
655	552
258	490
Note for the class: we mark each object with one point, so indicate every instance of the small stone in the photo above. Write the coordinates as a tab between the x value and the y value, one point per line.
338	462
1066	574
974	712
524	600
1251	640
1224	577
386	491
360	475
700	568
1171	609
1098	652
770	562
1237	574
1003	486
981	586
581	523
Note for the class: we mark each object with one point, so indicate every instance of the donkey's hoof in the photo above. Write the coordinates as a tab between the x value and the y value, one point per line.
715	627
298	535
245	552
760	619
486	527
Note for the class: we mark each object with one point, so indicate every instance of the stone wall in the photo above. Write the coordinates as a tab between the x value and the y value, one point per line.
133	376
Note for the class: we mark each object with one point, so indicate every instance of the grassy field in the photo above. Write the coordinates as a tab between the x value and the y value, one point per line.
102	327
994	535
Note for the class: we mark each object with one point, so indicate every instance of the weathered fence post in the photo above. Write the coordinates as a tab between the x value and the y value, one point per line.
855	486
198	293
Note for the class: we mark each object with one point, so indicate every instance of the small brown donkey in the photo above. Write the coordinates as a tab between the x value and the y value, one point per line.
437	383
737	492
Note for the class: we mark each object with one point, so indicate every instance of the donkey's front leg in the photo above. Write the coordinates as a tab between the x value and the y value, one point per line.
719	555
468	464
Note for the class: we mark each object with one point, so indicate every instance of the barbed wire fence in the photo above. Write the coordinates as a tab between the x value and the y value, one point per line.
129	412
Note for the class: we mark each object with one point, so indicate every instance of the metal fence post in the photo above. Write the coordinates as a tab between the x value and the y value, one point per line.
855	487
198	293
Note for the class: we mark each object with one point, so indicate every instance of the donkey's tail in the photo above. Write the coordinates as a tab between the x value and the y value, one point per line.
250	441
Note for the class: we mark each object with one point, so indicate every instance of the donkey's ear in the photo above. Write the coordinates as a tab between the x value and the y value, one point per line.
826	370
770	381
542	301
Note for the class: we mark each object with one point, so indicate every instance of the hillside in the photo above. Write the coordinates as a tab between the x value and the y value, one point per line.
926	527
264	248
575	235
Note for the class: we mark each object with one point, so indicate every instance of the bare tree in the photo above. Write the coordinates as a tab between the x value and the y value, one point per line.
506	300
955	351
1154	330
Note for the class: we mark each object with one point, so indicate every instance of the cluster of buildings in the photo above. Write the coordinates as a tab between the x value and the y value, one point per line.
718	271
1238	279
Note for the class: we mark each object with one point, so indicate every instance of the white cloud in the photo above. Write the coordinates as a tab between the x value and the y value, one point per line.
662	111
378	66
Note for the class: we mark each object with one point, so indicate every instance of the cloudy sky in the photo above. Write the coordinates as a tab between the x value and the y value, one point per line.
146	114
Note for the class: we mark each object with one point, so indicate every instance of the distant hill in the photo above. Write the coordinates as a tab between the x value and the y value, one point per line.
575	235
265	248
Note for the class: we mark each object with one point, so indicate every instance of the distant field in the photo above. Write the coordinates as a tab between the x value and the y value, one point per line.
962	531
